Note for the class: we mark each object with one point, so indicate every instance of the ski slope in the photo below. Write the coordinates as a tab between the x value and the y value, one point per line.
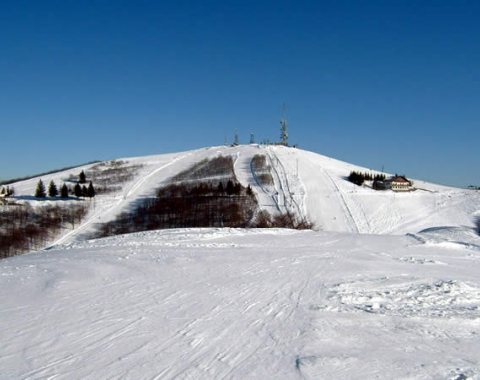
245	304
306	184
386	287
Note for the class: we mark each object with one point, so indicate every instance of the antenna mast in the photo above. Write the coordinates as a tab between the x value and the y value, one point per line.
284	126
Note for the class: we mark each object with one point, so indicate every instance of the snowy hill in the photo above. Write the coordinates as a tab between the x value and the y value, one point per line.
387	288
305	184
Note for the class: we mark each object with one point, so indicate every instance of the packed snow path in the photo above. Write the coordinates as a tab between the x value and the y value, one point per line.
238	304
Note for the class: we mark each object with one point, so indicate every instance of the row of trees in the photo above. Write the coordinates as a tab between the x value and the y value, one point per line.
65	191
358	178
25	228
200	204
7	191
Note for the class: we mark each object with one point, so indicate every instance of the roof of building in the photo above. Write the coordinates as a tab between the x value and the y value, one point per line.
399	178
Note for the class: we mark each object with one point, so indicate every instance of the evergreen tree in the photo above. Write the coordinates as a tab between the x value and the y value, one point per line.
84	191
249	191
220	188
10	191
230	187
52	190
77	190
90	190
40	190
356	177
82	177
2	191
64	191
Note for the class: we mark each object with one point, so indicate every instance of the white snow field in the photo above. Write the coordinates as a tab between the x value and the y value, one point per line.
386	287
244	304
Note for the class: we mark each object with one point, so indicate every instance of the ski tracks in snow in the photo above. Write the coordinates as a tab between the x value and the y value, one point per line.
286	197
341	197
118	205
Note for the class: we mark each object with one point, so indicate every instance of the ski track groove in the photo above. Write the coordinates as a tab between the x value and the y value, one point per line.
287	185
343	201
264	190
122	200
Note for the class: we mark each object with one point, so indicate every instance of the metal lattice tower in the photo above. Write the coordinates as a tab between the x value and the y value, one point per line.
284	127
236	140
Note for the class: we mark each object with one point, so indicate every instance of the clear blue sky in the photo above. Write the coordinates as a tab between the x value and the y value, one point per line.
377	83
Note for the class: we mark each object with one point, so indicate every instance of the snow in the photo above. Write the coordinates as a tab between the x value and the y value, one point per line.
387	285
232	303
306	184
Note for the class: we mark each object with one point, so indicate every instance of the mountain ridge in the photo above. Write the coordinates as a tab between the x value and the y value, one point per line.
305	184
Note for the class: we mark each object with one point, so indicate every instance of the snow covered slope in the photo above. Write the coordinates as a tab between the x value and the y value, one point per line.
306	184
245	304
349	301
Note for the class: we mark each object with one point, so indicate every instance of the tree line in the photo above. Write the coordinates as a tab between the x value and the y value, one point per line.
182	205
202	204
7	191
25	228
358	178
79	190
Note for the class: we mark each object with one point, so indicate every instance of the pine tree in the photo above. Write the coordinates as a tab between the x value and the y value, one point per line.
52	190
84	191
40	190
64	191
77	190
90	190
82	177
230	187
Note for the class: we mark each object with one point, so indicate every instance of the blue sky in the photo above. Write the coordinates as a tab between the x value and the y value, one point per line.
377	83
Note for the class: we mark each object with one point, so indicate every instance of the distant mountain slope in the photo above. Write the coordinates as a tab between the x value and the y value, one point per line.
303	183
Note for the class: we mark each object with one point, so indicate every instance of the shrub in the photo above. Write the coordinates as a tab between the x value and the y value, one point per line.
265	220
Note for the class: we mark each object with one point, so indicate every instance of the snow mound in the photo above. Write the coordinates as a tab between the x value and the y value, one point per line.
440	298
449	237
418	260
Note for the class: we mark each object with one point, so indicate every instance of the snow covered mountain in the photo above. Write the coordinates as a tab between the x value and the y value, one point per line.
305	184
388	287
